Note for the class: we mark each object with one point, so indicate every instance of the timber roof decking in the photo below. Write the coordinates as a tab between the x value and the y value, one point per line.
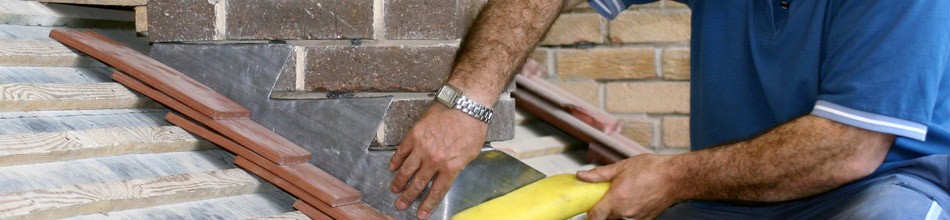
75	144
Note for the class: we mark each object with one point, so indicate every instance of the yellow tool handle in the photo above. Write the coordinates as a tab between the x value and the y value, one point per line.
556	197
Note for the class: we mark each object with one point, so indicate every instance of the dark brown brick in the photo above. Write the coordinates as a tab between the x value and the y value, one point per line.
299	19
180	20
429	19
403	113
399	68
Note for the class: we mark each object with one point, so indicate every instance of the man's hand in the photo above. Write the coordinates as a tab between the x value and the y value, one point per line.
444	140
438	146
641	188
800	158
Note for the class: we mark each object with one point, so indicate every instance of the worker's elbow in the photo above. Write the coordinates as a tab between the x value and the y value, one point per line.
867	156
857	169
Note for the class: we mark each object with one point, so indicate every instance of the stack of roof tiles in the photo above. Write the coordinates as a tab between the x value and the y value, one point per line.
574	116
259	150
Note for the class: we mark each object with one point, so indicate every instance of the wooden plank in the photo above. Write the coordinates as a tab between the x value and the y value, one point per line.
260	139
73	75
30	13
55	96
40	53
153	73
73	200
234	207
264	142
535	147
351	211
55	121
141	19
108	169
100	2
22	149
296	215
126	37
310	211
319	183
306	176
18	32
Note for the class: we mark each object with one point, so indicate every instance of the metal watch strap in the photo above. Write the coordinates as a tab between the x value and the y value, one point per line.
468	106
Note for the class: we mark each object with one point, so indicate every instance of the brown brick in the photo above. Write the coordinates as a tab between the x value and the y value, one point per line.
429	19
613	63
575	28
180	20
299	19
676	64
396	68
676	131
587	90
403	113
639	130
652	26
648	97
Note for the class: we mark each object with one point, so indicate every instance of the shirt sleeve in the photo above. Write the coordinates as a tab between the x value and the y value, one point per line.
611	8
883	61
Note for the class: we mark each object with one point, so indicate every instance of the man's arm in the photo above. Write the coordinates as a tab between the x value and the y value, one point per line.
804	157
444	140
499	42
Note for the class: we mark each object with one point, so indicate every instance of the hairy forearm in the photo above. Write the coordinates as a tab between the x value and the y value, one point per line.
502	37
804	157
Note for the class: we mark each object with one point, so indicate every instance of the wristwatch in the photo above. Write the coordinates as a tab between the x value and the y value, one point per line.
453	98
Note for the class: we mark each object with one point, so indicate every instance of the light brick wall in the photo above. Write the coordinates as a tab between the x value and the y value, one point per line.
635	67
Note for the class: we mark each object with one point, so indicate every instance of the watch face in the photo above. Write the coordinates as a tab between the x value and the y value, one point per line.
447	95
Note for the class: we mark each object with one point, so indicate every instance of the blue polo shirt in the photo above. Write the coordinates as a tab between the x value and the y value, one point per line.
880	65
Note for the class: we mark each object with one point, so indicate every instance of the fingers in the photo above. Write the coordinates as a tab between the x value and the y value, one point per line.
600	211
402	152
406	171
418	183
439	188
598	174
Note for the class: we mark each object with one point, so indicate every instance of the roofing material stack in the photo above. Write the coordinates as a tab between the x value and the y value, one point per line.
268	153
575	117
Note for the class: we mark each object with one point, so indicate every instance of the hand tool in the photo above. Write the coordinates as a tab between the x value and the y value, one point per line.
560	196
